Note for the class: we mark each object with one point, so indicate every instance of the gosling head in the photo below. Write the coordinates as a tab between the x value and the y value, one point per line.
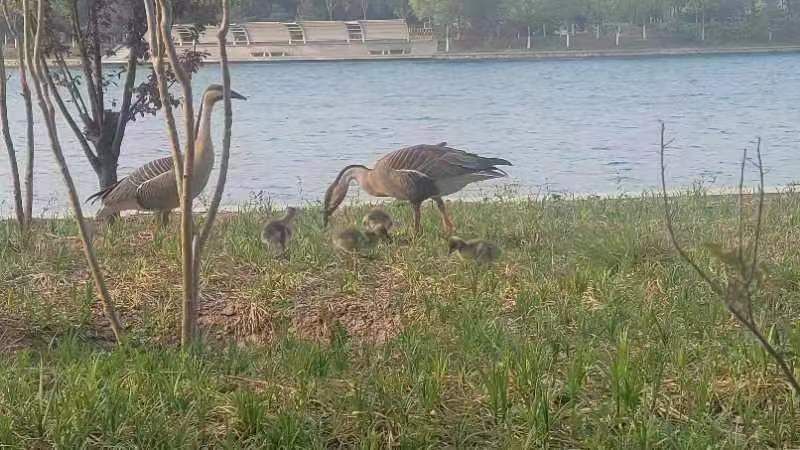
455	244
215	93
378	221
291	213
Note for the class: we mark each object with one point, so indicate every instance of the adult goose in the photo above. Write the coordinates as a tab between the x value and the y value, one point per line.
152	186
415	174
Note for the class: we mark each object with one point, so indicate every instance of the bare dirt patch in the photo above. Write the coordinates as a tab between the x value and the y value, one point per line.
373	315
12	335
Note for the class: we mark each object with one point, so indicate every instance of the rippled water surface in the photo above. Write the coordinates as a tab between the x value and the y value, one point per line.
585	126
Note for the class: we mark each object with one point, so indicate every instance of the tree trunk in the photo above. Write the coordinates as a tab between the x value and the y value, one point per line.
107	176
12	155
48	114
330	5
106	170
703	27
529	37
189	321
26	95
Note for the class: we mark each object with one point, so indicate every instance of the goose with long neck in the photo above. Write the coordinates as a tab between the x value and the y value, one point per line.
152	186
415	174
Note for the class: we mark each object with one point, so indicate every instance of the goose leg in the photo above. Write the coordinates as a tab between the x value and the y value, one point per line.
448	224
417	226
162	218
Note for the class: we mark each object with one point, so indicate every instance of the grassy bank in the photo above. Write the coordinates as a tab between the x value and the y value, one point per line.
590	333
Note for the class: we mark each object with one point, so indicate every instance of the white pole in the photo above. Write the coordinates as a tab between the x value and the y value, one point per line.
703	27
529	37
544	30
447	38
573	29
567	40
619	31
644	31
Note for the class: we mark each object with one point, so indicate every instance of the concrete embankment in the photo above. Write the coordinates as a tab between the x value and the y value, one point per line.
515	55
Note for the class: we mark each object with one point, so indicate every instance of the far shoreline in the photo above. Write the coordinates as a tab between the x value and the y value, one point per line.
512	55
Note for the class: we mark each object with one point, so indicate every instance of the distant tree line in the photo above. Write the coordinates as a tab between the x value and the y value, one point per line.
486	17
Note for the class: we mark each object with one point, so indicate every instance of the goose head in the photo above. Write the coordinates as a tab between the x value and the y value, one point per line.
215	93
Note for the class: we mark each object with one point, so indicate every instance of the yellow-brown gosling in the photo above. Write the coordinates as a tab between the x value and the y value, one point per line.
152	186
353	240
379	222
481	251
277	233
416	174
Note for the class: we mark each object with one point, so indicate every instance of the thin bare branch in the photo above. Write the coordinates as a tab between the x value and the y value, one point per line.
94	11
157	57
24	67
92	85
72	87
738	293
65	112
759	214
740	250
186	194
751	326
7	16
48	112
670	228
226	139
125	109
205	232
12	154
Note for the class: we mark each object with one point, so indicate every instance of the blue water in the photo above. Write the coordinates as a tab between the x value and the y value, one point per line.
588	126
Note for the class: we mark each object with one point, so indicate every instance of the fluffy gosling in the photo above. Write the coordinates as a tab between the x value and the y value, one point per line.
352	239
378	222
277	233
477	249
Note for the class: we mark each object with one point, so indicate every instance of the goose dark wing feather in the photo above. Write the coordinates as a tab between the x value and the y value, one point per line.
438	161
127	188
151	170
415	186
158	193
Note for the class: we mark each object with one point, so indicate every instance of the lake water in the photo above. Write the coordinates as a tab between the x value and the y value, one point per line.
585	126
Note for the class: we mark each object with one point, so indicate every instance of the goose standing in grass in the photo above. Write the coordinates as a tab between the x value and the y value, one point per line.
353	240
477	249
416	174
379	222
152	186
277	233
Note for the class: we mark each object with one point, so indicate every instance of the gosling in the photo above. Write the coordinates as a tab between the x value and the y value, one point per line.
478	250
277	233
378	222
353	240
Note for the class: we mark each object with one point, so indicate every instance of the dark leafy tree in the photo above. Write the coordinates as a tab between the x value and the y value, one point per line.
100	125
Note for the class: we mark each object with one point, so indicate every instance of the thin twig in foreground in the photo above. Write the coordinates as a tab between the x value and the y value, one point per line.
737	293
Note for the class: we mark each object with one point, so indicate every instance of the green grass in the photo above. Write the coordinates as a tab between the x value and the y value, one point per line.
589	333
